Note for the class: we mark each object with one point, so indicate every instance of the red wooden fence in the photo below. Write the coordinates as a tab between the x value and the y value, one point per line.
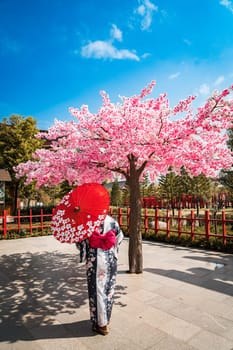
30	222
153	222
205	226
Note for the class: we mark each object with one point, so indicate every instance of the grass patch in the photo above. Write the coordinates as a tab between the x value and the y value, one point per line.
24	233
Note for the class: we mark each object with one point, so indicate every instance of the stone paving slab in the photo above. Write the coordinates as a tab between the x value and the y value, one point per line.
183	300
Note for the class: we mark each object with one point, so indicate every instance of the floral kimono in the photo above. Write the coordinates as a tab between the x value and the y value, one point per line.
101	273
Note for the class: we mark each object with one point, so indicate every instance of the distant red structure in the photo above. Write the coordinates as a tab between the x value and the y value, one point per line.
222	200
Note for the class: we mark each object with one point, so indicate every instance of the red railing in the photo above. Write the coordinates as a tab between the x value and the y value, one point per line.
154	221
157	221
19	223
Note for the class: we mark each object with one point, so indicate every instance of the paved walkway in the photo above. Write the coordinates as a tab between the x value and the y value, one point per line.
182	301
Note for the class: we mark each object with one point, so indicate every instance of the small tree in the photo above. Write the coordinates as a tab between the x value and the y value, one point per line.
169	188
184	184
115	193
152	189
17	144
200	189
226	175
144	185
130	138
226	179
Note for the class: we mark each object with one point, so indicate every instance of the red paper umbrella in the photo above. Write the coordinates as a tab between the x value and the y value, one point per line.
80	213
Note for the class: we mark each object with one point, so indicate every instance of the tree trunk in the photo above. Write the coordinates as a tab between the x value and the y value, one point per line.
16	191
135	236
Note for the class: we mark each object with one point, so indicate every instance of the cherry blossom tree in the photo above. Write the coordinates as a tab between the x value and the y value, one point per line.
138	135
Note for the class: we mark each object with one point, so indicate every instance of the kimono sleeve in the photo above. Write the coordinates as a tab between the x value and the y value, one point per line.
119	233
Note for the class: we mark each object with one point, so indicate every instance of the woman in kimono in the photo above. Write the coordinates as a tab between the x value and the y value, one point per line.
100	253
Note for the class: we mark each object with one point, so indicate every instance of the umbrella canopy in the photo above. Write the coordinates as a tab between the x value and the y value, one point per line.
80	213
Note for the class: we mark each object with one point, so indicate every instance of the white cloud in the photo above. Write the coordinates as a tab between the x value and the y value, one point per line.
116	33
174	76
204	89
228	4
141	10
187	42
145	55
105	50
219	80
145	10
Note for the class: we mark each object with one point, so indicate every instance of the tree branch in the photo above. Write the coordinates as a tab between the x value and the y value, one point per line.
142	167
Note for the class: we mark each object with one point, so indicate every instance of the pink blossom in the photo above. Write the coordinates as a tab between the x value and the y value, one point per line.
95	147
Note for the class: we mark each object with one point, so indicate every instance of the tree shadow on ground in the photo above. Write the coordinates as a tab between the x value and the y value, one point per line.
215	280
217	276
35	288
214	258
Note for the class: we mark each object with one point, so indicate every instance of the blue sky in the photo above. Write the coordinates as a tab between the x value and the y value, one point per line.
60	53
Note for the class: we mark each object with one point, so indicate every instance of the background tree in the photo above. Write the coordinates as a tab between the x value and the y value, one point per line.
28	194
152	190
226	179
173	187
144	185
115	193
130	138
230	138
169	188
200	190
184	185
199	187
125	195
226	175
17	144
